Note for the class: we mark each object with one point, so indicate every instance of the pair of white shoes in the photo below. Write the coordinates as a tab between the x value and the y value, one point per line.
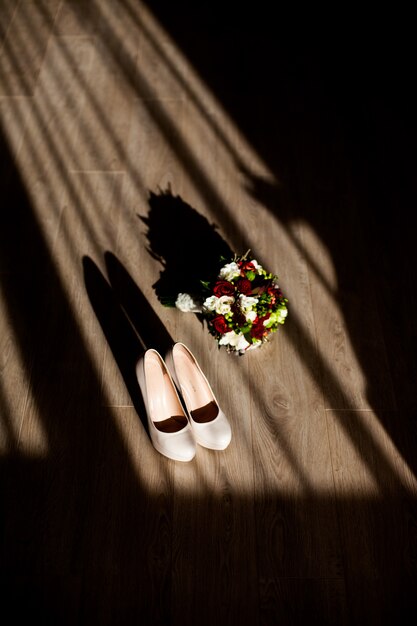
173	431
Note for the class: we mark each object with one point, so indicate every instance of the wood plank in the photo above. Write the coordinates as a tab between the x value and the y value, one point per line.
7	9
25	45
376	509
350	334
75	18
90	533
300	601
14	373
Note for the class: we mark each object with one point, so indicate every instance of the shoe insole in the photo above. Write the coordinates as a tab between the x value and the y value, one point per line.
172	424
164	406
197	393
206	413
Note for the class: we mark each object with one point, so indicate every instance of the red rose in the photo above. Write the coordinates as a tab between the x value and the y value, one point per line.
244	286
258	329
274	291
238	315
246	266
223	288
220	324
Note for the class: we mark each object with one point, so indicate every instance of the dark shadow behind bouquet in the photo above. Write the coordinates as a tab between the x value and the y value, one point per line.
241	302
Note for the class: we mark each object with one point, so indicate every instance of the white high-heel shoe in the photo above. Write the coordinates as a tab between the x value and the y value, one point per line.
169	427
210	425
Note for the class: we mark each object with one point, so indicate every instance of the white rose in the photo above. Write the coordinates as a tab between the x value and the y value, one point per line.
186	304
229	271
238	342
250	316
247	302
223	304
220	305
210	303
258	267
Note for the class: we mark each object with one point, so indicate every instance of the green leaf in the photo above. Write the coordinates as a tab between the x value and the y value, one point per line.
168	301
250	275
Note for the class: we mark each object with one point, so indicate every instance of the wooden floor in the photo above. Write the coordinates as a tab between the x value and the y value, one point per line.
138	139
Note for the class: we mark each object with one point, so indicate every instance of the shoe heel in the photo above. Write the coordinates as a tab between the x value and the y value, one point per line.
169	361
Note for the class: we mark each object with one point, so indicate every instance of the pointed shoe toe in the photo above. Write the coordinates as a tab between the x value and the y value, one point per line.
215	435
169	428
210	425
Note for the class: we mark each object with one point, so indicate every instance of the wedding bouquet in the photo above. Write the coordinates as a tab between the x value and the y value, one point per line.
242	305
